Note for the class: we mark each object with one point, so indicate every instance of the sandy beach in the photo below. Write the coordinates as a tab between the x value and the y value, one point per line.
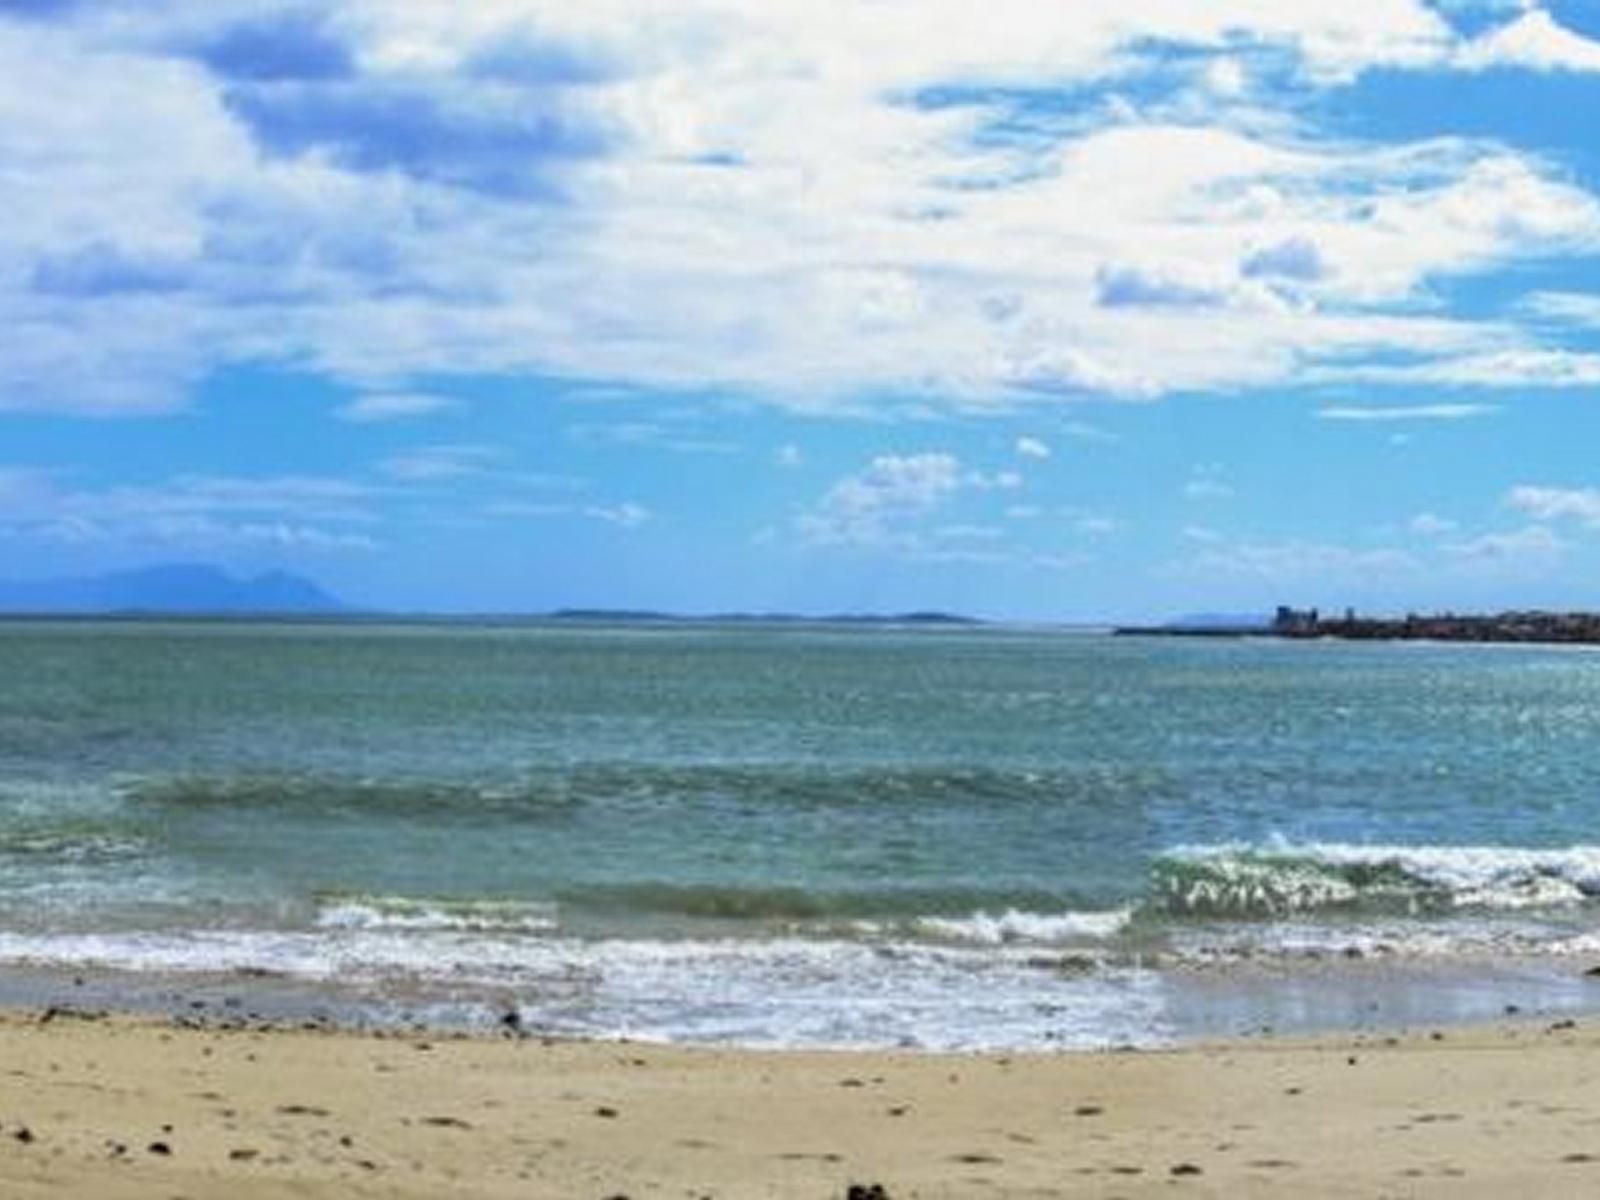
119	1107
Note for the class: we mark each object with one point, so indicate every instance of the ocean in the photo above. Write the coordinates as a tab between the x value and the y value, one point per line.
798	835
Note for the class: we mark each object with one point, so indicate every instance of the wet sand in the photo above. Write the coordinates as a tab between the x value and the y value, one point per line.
118	1107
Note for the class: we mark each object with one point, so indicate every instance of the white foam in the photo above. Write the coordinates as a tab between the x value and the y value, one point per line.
1496	877
782	993
400	912
1016	927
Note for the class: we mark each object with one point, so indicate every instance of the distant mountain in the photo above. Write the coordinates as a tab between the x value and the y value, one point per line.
192	588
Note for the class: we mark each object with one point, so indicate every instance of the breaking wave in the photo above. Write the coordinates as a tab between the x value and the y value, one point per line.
1284	879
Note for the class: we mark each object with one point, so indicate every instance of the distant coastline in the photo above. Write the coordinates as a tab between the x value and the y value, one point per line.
1532	627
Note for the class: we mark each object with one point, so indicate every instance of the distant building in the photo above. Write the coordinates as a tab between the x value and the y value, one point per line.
1291	621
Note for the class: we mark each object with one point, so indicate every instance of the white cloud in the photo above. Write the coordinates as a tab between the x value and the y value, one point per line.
1429	524
625	515
1535	546
1578	308
1534	40
766	208
1226	77
1406	412
1032	447
1060	562
873	507
648	433
1085	432
376	407
1554	503
788	455
1528	367
1206	482
998	481
199	512
431	463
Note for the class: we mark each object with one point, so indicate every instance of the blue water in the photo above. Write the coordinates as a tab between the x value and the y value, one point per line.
786	834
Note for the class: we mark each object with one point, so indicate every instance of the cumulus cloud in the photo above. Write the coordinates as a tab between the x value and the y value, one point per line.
872	507
1032	447
804	201
1554	503
1534	40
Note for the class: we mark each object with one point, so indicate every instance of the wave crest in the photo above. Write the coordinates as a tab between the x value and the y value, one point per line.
1284	879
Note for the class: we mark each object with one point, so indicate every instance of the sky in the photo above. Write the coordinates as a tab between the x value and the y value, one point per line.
1051	310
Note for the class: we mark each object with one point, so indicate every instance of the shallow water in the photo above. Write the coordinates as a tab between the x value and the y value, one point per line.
803	834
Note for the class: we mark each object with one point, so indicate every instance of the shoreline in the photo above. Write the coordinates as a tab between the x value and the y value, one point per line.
123	1107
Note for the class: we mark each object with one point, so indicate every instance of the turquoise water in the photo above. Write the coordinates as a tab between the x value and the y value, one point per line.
786	834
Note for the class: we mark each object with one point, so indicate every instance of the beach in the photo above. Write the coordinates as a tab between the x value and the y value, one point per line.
418	911
119	1107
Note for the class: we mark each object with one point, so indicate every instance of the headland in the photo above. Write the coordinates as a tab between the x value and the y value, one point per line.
1522	626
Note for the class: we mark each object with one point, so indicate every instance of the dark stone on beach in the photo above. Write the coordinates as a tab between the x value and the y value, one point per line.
1186	1168
511	1021
866	1191
23	1135
159	1148
446	1122
244	1154
605	1110
1087	1110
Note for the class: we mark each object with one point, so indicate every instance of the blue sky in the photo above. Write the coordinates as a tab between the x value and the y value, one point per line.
1033	310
